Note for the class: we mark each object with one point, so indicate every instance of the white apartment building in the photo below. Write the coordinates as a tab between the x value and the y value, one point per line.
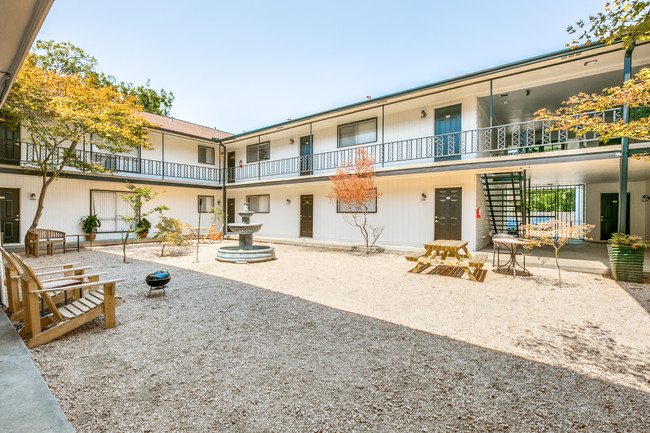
458	159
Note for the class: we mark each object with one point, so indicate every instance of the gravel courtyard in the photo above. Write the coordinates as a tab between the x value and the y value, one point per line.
333	341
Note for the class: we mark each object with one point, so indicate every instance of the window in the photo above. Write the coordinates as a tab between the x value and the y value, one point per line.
259	203
109	206
372	206
205	202
9	143
355	133
206	155
264	152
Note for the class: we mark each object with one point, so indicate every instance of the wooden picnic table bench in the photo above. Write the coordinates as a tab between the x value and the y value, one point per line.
448	253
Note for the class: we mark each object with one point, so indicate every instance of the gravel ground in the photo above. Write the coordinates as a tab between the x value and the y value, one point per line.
331	341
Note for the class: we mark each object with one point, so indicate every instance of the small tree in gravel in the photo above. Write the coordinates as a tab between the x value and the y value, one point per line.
354	191
170	233
136	199
556	234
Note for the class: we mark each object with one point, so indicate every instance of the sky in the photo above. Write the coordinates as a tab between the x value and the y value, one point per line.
239	66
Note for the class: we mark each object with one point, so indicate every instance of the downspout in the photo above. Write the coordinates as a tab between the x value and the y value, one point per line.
625	150
223	183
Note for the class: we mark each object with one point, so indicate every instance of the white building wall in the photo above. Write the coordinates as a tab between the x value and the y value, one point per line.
68	200
406	218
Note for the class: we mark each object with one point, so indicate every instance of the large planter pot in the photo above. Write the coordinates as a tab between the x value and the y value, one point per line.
143	235
91	237
626	263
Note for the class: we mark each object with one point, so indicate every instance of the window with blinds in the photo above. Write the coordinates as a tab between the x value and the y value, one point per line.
205	203
109	206
259	203
206	155
258	152
355	133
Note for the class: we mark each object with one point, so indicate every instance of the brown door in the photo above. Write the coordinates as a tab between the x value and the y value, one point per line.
230	211
10	199
306	216
231	167
448	214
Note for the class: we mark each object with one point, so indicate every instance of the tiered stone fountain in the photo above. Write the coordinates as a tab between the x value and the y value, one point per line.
246	252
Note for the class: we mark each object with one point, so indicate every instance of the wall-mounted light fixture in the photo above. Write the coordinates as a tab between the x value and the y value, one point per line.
645	198
288	201
423	197
221	155
291	141
218	202
32	196
423	114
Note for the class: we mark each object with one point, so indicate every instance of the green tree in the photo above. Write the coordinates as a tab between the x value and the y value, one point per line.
626	21
59	107
66	58
136	199
622	20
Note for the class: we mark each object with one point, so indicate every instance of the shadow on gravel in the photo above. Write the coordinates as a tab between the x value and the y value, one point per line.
220	355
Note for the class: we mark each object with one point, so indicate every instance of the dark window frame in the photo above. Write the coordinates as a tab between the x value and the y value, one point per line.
207	208
207	148
338	206
258	153
259	195
6	143
338	133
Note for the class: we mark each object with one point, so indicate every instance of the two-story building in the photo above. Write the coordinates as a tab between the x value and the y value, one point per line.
460	159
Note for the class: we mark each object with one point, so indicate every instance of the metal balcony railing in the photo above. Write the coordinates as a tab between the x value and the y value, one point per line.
129	164
501	140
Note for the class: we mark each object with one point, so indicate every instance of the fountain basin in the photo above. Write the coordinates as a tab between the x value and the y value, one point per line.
245	229
256	253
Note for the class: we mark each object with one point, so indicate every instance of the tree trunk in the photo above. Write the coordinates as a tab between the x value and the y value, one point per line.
46	182
559	272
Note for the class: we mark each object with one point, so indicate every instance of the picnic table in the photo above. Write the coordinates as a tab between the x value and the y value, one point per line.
448	253
513	246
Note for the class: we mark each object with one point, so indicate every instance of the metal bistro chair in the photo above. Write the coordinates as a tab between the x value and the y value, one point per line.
496	248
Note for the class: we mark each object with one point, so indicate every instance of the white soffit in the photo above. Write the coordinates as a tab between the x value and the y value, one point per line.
20	21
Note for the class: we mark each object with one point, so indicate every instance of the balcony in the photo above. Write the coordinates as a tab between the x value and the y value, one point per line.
131	166
490	142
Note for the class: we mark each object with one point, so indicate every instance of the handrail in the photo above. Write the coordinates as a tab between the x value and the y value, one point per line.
499	140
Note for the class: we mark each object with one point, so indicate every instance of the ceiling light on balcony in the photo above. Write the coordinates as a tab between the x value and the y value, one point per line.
591	62
505	102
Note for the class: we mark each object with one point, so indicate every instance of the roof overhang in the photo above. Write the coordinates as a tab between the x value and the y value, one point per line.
20	22
546	60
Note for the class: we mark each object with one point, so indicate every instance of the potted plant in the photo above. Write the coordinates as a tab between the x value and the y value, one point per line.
142	228
626	257
89	225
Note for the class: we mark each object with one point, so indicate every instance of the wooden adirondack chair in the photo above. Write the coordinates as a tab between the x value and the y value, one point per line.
13	270
213	234
99	298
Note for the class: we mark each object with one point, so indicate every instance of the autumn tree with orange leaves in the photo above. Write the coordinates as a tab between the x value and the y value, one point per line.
61	109
624	21
354	192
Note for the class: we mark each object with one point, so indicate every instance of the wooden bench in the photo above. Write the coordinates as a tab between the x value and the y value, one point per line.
36	237
415	256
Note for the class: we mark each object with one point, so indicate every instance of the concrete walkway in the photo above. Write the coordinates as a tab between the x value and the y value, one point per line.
26	403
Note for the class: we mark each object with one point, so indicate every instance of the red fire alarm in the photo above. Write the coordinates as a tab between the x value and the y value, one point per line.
478	213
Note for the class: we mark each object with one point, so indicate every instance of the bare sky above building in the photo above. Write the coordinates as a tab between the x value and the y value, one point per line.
240	65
